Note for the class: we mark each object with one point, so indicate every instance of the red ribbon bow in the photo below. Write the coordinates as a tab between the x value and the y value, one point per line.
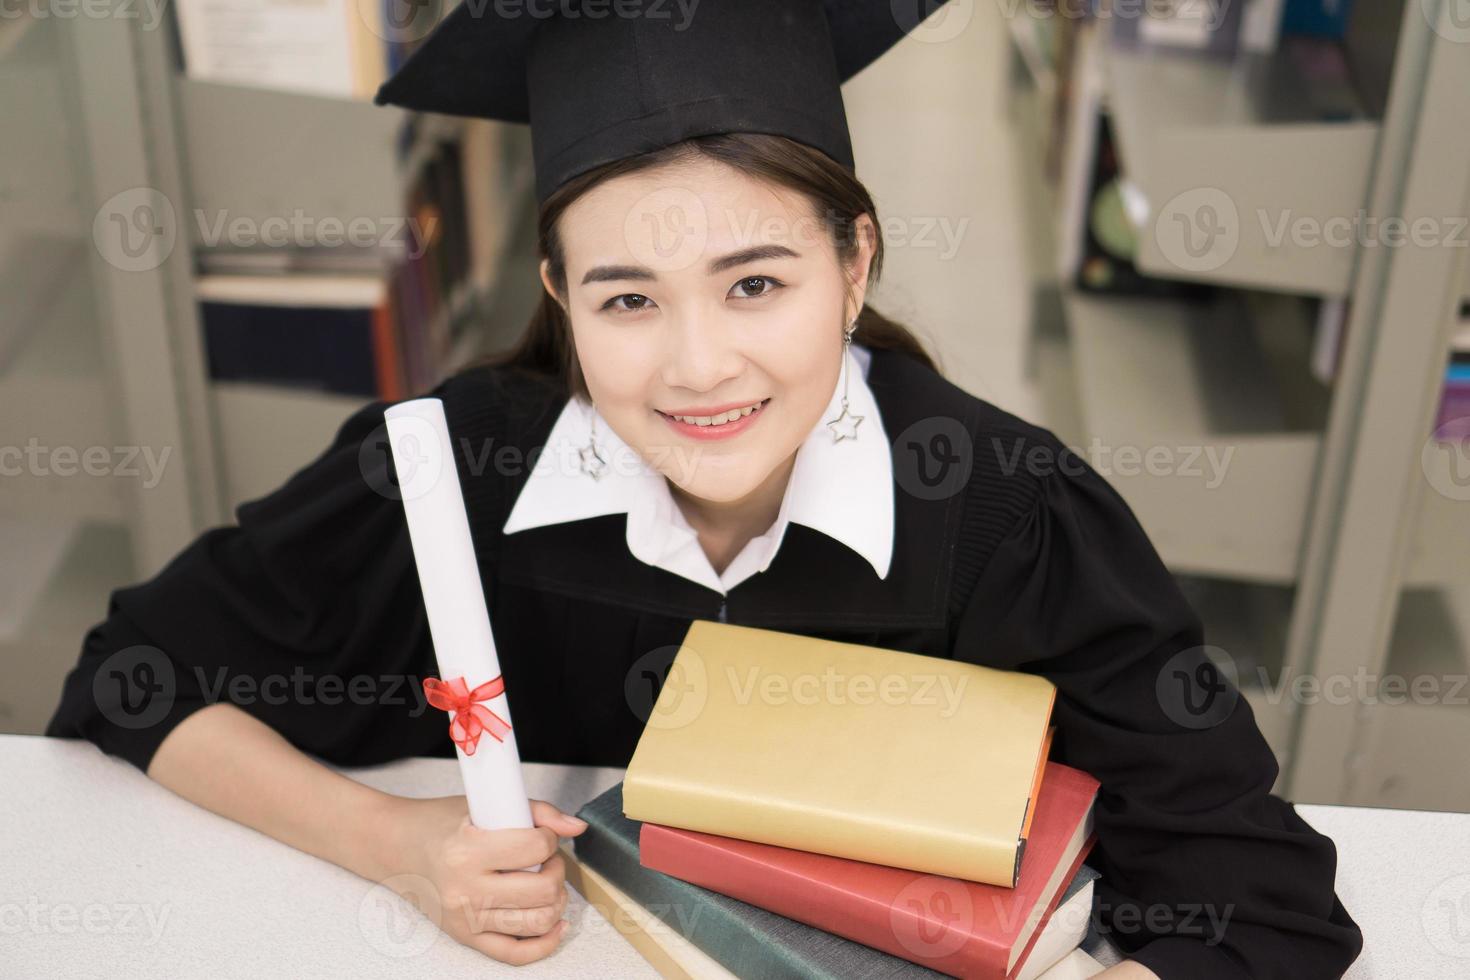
467	719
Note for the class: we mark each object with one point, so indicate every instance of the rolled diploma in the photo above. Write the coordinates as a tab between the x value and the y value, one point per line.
459	621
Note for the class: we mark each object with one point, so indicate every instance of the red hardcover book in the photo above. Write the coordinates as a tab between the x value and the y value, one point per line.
962	928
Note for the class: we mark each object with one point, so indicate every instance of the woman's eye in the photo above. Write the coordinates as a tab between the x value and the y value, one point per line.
638	301
753	287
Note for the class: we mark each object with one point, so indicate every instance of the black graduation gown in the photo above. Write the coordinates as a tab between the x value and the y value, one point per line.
1010	552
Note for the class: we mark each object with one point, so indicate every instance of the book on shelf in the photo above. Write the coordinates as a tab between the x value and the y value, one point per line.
1453	421
391	318
334	48
748	940
332	333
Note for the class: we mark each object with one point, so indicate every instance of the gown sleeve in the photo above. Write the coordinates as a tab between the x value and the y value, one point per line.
305	613
1205	874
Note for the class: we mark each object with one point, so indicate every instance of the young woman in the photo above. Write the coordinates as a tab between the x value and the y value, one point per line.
704	419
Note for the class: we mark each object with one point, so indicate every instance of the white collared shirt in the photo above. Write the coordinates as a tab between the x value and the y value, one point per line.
843	489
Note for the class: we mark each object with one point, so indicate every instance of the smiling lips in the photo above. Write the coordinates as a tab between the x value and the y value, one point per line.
719	425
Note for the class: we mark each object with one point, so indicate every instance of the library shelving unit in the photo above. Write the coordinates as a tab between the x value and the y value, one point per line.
1334	549
109	355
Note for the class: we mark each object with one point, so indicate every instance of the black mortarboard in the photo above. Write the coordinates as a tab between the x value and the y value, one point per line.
600	80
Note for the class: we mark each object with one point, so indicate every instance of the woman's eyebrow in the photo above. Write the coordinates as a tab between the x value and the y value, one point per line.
755	253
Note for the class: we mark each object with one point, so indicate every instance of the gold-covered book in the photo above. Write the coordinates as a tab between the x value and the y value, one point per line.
877	755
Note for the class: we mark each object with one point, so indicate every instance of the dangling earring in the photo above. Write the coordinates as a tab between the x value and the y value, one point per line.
844	426
593	464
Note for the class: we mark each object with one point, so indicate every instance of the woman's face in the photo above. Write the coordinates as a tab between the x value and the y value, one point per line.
695	291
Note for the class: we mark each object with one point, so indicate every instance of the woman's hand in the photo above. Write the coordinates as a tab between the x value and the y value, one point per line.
465	878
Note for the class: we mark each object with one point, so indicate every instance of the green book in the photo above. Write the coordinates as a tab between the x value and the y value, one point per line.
747	940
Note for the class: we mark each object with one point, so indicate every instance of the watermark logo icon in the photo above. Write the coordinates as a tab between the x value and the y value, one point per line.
399	917
135	230
134	688
932	22
1454	25
667	229
932	916
933	458
667	689
1445	460
421	457
1445	916
1198	230
1197	688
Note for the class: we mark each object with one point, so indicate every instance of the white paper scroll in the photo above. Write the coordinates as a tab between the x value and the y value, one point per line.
459	621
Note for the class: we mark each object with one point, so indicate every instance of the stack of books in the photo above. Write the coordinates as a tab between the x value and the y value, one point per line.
804	807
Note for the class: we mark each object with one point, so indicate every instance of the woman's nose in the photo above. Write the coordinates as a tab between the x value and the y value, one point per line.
700	354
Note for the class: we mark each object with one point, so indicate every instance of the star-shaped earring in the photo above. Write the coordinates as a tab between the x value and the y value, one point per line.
844	426
592	462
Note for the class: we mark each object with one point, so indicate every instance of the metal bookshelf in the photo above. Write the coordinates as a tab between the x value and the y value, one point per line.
1194	131
1336	548
98	350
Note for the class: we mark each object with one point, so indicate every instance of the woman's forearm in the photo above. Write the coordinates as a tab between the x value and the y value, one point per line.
230	762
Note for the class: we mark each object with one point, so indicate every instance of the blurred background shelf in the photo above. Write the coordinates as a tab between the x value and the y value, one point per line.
267	433
42	644
1412	753
1251	622
255	153
1199	133
1235	435
37	140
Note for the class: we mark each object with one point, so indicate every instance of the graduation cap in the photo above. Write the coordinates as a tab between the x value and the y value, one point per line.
601	80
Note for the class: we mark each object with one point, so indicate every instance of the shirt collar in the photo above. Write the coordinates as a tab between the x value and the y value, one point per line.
842	489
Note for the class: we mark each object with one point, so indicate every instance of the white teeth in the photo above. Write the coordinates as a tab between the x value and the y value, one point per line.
720	419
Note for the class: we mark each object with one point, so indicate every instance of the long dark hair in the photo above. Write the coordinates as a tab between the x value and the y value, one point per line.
835	194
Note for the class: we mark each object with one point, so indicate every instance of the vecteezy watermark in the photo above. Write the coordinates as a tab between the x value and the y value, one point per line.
35	917
137	686
1207	463
136	230
399	917
813	231
1445	460
423	459
665	692
933	458
1450	19
134	687
1196	687
411	20
669	686
1445	916
1363	686
121	462
302	230
670	228
1202	920
661	916
932	916
303	688
148	13
1361	230
920	20
940	691
1198	230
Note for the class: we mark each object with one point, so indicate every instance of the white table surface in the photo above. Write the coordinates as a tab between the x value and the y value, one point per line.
104	873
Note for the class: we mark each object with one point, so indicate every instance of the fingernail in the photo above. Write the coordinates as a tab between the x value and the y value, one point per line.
578	822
